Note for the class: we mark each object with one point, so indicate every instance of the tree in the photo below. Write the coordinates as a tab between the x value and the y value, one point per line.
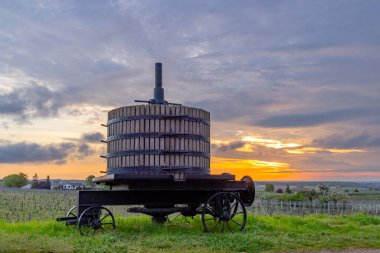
48	183
309	194
35	181
89	182
356	190
287	190
324	189
269	188
15	180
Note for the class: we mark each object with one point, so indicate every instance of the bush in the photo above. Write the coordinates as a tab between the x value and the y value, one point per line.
15	180
269	188
293	197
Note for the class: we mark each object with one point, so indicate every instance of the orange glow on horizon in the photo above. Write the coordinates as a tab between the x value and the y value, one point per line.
260	170
77	169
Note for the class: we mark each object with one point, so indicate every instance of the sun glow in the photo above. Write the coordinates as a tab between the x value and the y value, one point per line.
270	143
260	170
314	150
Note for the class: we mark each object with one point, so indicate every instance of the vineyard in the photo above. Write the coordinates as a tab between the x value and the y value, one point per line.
37	205
27	224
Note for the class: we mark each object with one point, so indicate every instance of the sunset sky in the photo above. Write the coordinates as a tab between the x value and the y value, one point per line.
293	87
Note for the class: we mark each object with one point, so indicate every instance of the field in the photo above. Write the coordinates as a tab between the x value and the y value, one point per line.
138	234
27	224
31	205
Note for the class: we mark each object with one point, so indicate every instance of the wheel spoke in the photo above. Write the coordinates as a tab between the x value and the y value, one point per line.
229	227
233	207
108	214
99	213
236	222
221	207
216	225
170	221
107	223
210	210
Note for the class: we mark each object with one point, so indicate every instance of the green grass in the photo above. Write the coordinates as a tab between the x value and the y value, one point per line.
138	234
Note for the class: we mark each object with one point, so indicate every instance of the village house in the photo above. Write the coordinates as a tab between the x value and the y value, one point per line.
73	186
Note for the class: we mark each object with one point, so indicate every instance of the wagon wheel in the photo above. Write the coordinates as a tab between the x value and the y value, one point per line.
248	196
224	211
95	219
71	214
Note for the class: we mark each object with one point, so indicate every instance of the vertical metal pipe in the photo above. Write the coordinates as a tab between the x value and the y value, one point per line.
158	90
158	74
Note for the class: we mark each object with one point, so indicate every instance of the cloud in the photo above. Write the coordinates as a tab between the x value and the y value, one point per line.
230	146
85	150
363	140
32	152
33	100
296	65
24	152
93	137
316	118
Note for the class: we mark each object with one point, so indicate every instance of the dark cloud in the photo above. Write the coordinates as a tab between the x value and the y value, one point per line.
230	146
33	152
363	140
315	118
93	137
23	152
279	64
33	100
85	150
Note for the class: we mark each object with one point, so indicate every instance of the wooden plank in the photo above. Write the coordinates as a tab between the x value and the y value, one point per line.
167	126
137	110
146	123
151	143
129	127
186	144
181	144
128	144
132	144
133	126
156	160
172	143
151	160
172	126
141	127
151	128
137	126
156	125
172	160
157	143
137	143
162	160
